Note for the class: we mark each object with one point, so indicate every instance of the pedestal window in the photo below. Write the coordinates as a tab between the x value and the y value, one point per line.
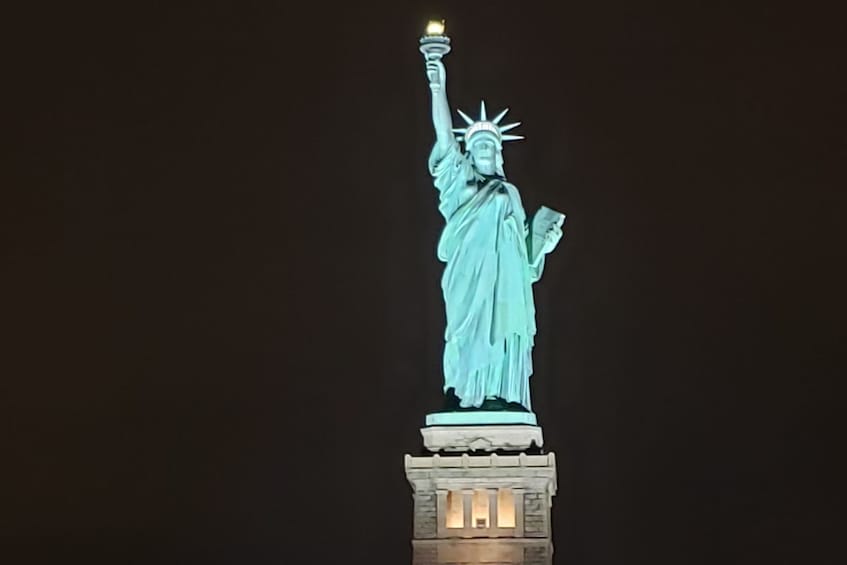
480	509
505	508
480	513
455	510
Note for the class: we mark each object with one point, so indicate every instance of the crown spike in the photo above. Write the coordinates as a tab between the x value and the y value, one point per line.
482	115
507	127
460	130
465	117
500	117
508	137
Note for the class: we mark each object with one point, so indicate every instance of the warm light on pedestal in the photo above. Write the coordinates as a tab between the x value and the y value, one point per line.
480	509
455	510
505	508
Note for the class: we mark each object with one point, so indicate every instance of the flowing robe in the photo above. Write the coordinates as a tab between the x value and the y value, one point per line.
487	283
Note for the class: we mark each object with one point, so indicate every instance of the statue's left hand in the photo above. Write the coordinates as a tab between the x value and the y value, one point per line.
551	238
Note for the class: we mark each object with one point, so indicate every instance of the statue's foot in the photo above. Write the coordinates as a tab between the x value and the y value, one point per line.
516	407
502	405
493	404
452	403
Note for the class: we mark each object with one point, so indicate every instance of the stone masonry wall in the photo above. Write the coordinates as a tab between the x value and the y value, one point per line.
425	515
425	555
540	555
535	515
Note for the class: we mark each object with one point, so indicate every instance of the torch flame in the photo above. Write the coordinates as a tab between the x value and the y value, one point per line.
435	27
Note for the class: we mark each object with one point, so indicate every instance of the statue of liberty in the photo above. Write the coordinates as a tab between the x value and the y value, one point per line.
493	255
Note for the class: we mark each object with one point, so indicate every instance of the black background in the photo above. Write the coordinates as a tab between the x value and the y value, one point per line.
224	322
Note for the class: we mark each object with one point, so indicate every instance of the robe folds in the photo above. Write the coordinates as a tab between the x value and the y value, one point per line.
487	283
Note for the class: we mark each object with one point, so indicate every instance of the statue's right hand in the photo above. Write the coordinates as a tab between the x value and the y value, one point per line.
437	74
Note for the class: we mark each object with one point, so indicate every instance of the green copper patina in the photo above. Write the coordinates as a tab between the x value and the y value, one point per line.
492	252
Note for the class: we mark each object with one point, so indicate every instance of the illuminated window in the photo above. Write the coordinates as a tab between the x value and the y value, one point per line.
455	510
505	508
480	509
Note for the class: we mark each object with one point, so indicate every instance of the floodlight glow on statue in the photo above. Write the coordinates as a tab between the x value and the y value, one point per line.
492	253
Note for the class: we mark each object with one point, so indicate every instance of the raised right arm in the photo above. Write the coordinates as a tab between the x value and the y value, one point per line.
449	167
441	118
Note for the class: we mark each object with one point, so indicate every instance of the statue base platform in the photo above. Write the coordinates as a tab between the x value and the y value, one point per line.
480	418
516	437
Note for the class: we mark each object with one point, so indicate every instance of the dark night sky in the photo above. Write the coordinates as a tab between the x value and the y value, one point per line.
221	298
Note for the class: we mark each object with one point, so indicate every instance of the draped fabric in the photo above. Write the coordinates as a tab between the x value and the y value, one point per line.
487	283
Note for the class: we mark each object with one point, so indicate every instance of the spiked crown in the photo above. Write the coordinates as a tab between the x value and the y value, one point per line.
484	124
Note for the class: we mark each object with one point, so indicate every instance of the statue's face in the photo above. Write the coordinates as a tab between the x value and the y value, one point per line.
484	152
